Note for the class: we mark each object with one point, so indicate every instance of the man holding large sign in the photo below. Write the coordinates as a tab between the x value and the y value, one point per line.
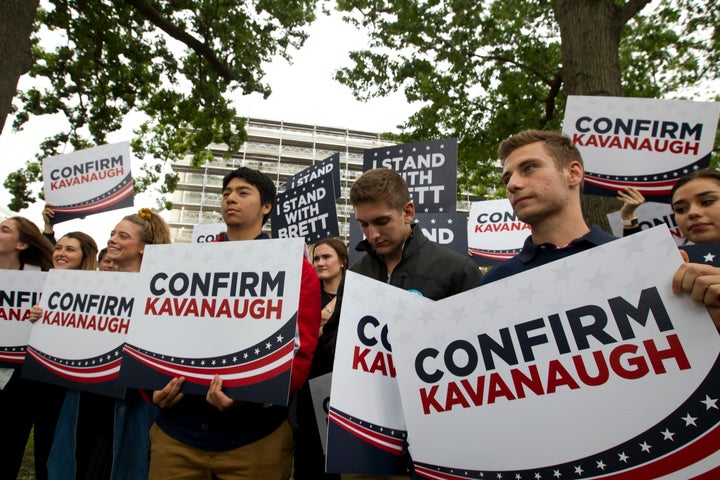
399	254
543	173
216	435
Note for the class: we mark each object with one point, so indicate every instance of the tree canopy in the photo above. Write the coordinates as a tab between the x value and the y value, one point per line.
179	63
484	70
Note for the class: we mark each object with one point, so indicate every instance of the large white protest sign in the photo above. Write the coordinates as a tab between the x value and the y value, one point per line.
19	291
225	308
494	232
650	214
92	180
78	340
366	429
640	142
587	367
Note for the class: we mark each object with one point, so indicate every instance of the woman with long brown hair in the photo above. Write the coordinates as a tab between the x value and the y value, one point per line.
330	259
695	199
23	402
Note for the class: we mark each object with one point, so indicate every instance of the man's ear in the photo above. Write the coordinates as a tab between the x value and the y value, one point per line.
266	208
408	212
575	173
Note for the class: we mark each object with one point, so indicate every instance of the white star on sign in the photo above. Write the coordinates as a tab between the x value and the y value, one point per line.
710	403
689	420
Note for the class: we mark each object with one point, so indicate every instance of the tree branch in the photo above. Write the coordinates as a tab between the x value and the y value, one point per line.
555	86
629	10
154	17
521	66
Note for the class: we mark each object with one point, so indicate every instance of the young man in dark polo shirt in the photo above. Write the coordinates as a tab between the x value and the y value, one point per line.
215	436
543	173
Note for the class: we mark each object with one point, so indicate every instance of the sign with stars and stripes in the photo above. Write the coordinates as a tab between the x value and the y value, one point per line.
224	308
640	142
705	253
429	168
307	211
88	181
78	340
366	428
494	232
587	367
19	291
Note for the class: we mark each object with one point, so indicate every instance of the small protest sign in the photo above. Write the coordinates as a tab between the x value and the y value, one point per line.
78	340
88	181
19	291
225	308
494	232
644	143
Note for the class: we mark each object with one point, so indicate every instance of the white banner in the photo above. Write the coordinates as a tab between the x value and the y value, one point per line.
88	181
19	291
366	430
644	143
495	234
650	214
587	367
207	232
225	308
78	340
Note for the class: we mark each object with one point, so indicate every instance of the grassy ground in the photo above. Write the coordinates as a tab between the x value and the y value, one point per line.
27	470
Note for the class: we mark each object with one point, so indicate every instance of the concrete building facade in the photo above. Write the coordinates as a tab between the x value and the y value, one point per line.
279	149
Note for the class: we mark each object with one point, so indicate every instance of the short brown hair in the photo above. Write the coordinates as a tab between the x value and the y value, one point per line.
560	147
380	185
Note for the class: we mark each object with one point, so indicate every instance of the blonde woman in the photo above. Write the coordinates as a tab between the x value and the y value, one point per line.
99	437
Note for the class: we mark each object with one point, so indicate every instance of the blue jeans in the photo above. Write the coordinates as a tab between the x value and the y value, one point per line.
133	417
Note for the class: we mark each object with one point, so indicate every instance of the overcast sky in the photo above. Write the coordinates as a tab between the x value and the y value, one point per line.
303	92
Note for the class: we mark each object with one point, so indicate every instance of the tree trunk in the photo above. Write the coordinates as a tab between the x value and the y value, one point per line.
590	36
16	23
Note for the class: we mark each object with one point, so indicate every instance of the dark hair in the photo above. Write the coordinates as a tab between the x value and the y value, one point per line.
259	180
153	229
39	251
88	247
380	185
705	173
101	254
339	246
